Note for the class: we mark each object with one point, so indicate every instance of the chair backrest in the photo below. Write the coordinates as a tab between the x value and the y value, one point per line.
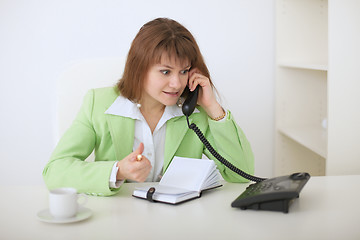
77	79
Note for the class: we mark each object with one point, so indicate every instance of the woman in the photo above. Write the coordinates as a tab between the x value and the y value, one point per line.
137	127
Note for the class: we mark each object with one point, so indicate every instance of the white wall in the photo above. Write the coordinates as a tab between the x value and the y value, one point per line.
39	38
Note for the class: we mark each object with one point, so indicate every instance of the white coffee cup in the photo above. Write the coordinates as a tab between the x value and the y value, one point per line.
63	202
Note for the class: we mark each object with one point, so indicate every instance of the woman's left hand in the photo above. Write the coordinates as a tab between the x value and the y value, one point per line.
207	98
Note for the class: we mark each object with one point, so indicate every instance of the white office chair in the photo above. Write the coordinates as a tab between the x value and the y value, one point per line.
76	80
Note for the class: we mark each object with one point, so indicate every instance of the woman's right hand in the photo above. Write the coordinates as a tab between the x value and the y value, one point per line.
132	169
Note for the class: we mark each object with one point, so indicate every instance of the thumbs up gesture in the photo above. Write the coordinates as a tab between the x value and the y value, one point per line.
134	166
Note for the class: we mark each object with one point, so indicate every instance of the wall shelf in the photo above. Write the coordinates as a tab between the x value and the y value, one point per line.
317	81
311	137
301	86
292	64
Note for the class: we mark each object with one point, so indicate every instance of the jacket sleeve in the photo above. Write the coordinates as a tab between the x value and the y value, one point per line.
67	166
231	143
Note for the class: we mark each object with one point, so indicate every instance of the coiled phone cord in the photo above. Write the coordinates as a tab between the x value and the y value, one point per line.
221	159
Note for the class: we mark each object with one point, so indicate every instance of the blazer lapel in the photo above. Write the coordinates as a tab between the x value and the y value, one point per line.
122	134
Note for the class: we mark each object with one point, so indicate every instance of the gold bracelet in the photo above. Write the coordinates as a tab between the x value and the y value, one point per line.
219	117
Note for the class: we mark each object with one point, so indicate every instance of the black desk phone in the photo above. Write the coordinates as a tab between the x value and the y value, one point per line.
274	194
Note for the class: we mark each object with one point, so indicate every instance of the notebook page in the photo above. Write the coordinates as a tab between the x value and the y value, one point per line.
187	173
212	180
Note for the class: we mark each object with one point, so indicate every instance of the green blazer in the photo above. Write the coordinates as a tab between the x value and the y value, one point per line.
112	138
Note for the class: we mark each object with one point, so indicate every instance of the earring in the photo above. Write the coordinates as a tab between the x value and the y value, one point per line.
138	105
179	102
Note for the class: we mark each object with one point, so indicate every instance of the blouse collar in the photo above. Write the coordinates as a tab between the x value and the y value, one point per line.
125	108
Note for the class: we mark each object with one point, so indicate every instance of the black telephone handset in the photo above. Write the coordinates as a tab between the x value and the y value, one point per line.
189	105
273	194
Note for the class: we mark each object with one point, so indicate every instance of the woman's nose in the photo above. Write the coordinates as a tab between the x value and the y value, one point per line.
175	81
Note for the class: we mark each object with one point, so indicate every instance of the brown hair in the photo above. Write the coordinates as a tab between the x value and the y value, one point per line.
161	35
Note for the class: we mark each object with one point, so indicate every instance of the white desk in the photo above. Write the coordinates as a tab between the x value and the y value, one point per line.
328	208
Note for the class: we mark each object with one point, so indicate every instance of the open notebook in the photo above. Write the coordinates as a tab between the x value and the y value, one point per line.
184	179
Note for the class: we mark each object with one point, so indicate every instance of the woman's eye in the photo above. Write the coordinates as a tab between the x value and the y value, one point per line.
165	72
184	71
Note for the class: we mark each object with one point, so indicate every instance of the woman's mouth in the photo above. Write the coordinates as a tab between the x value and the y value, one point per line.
171	94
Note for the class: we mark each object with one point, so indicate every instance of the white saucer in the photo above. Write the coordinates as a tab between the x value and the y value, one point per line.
82	214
